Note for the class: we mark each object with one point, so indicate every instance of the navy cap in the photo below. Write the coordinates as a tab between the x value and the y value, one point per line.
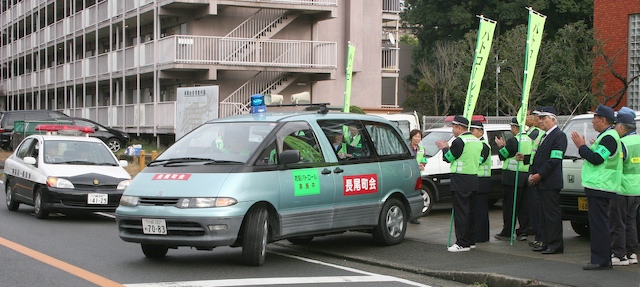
626	116
514	122
460	120
536	110
605	111
547	111
476	125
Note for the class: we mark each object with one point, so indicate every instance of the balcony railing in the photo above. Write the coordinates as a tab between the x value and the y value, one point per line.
298	2
248	52
391	6
390	59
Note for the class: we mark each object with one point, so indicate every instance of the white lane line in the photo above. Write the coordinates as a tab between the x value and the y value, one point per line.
268	281
367	277
112	216
396	279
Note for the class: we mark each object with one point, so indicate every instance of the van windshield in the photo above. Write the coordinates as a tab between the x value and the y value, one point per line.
219	143
430	138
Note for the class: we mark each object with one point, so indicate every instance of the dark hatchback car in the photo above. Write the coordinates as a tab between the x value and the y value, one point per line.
114	139
7	118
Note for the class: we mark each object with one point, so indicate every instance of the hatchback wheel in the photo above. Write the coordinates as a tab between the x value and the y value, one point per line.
392	224
114	144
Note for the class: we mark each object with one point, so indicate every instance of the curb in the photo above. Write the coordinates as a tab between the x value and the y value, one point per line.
491	279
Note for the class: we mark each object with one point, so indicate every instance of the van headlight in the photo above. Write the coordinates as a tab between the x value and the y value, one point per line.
205	202
59	182
127	200
124	184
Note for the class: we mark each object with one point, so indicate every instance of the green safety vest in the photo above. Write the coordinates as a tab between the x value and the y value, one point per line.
631	166
606	176
219	143
484	169
536	142
420	155
343	148
354	142
525	148
469	160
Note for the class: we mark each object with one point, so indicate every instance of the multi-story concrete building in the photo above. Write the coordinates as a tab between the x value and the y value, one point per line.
120	62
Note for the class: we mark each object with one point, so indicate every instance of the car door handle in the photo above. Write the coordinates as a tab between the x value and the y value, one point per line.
326	171
338	170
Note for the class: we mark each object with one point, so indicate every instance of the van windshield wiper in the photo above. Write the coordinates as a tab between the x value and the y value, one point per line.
180	160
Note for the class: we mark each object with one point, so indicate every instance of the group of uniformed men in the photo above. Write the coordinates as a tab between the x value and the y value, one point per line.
532	177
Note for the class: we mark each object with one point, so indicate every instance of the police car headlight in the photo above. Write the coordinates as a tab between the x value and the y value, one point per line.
204	202
59	182
124	184
127	200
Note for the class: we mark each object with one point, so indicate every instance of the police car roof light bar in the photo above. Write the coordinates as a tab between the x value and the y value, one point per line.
64	129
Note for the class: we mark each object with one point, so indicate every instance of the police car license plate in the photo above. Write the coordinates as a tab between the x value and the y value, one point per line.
154	226
97	198
582	204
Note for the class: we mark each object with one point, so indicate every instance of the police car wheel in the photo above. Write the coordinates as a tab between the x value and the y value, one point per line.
12	205
392	224
38	209
427	196
255	237
154	251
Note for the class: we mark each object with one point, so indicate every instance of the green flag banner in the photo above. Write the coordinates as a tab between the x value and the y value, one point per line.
351	51
483	47
534	39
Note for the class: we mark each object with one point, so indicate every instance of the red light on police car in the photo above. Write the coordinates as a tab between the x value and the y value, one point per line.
63	128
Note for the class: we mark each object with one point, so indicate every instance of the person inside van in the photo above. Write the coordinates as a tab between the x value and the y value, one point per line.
338	145
354	140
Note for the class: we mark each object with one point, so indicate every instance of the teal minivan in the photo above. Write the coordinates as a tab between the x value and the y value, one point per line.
248	180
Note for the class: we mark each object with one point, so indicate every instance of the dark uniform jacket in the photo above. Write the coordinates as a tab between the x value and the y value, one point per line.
550	169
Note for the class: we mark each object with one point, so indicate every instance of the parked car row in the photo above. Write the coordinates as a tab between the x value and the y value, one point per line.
9	140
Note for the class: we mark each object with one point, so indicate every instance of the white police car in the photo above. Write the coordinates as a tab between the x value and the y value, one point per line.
57	173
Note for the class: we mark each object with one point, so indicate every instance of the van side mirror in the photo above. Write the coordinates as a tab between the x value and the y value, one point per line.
289	156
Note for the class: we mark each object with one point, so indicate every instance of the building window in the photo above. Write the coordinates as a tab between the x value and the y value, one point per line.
634	61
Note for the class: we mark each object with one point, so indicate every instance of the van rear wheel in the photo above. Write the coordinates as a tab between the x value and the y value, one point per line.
392	224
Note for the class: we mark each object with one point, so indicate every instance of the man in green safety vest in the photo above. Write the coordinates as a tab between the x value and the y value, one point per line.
464	156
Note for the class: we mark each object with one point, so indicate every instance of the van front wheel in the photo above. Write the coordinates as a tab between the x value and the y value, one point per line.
255	237
581	228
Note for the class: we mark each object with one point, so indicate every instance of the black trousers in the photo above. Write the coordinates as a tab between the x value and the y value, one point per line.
599	226
522	210
463	204
533	196
551	219
622	218
481	210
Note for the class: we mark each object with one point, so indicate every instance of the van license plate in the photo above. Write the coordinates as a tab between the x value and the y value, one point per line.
97	198
154	226
582	204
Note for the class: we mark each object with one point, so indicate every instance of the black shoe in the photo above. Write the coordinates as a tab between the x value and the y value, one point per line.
592	266
522	237
414	221
535	243
502	237
552	251
539	248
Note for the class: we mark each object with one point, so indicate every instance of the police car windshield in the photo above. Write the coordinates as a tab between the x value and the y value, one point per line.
77	153
218	143
430	139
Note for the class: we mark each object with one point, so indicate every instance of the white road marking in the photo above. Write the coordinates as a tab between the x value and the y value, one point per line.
113	216
365	277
